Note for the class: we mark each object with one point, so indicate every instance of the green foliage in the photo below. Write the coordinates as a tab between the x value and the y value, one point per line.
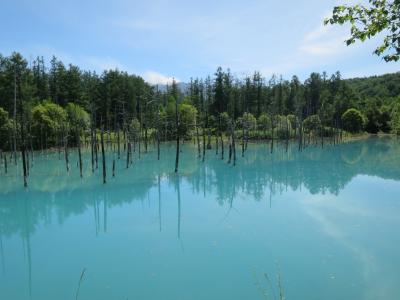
292	120
312	123
395	117
77	116
5	128
224	121
249	121
353	120
49	120
367	22
264	121
115	98
134	128
187	118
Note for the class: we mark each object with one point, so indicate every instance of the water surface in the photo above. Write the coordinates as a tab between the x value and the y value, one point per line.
321	224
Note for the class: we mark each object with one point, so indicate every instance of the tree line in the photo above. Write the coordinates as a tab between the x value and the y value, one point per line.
61	106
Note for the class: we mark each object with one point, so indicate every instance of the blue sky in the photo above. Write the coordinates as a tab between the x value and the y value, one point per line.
163	39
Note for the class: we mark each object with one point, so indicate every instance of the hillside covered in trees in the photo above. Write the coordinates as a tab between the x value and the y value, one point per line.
41	104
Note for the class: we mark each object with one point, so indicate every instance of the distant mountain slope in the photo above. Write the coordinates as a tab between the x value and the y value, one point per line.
382	86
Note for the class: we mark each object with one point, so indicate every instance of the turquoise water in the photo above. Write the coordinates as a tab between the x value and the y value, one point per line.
321	224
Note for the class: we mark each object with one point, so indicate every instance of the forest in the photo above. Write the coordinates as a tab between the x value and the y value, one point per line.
58	105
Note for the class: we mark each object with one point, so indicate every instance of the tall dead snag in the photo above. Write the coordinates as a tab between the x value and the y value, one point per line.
204	144
5	163
216	145
242	137
128	152
222	146
15	119
233	142
177	135
300	132
128	149
230	149
78	143
65	138
198	139
158	143
103	155
272	133
22	127
118	143
96	149
287	133
113	167
92	145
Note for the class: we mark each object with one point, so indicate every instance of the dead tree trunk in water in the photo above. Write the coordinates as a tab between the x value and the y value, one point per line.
15	119
78	141
92	147
177	136
23	145
230	149
113	167
5	163
233	143
272	135
198	140
128	153
103	155
300	135
287	133
222	146
66	149
204	144
118	143
158	143
242	138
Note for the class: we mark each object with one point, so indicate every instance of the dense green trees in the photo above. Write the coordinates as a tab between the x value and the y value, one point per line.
53	102
5	128
353	120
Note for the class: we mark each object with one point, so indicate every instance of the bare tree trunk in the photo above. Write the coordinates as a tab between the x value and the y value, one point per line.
204	144
96	150
230	148
128	152
78	141
222	147
216	145
66	150
198	140
103	155
233	143
177	136
15	118
118	143
272	135
113	167
243	138
158	144
5	163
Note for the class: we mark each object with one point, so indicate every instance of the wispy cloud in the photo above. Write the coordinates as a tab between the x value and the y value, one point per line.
324	41
154	77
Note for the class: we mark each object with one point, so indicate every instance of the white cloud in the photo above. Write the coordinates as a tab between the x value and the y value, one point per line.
154	77
324	41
